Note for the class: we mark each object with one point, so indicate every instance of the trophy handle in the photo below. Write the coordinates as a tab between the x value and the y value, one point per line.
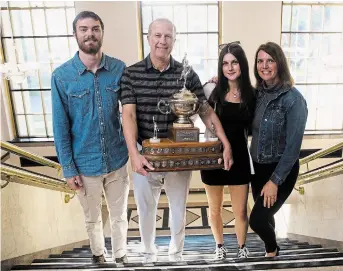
166	104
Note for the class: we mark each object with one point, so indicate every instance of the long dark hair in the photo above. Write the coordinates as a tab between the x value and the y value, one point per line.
244	83
275	51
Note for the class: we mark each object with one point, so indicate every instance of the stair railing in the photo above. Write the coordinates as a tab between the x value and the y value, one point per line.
30	178
326	171
12	174
31	156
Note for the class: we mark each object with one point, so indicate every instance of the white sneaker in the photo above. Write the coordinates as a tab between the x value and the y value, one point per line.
220	253
150	258
175	258
243	253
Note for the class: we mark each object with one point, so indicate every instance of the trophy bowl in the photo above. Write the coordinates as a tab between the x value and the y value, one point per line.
183	104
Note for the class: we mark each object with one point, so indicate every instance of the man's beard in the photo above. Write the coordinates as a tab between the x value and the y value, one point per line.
87	49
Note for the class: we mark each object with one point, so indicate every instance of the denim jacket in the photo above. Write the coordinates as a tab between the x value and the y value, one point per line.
86	121
280	131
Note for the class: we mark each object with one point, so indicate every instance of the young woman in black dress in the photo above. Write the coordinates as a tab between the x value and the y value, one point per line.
234	102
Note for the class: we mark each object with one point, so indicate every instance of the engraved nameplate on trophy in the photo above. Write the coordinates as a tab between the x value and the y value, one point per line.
177	156
190	134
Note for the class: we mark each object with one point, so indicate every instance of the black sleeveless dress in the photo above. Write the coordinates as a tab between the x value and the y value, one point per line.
235	120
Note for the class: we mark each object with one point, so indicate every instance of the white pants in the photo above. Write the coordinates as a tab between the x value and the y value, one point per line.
115	186
147	191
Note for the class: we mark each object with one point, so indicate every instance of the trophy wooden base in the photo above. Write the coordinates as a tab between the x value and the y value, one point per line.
178	156
184	134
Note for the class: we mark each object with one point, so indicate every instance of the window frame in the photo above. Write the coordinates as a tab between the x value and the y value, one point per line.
143	35
307	81
10	90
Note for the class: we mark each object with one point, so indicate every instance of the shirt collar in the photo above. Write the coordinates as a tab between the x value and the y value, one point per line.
149	65
82	67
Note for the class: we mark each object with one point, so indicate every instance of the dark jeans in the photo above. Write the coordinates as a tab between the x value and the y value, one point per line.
261	218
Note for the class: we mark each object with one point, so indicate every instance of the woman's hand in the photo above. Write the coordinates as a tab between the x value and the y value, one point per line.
228	159
269	191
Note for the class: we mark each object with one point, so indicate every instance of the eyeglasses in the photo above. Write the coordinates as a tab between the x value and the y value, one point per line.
221	46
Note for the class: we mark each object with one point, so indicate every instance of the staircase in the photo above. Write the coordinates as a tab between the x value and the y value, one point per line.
199	254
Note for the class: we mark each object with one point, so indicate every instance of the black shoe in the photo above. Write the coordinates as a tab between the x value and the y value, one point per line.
122	259
98	259
276	254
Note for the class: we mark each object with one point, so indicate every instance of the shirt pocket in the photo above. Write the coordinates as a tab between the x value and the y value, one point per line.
279	115
112	93
79	102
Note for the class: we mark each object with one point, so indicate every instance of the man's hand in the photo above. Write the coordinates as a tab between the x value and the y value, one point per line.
228	160
269	191
138	162
214	79
75	183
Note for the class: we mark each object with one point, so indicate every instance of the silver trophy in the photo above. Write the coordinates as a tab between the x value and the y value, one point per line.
183	103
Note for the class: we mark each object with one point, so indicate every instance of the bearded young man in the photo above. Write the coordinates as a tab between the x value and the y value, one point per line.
88	134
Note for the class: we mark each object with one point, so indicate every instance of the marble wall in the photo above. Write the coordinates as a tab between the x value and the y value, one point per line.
317	213
35	219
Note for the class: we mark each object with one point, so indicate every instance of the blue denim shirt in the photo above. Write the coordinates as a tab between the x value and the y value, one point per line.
86	121
278	129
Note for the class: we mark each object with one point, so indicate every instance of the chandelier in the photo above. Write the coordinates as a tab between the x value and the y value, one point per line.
16	72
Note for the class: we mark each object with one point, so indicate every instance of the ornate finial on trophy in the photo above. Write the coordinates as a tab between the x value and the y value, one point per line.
183	104
155	139
186	70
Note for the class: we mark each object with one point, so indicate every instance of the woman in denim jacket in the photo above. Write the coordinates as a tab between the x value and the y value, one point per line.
277	132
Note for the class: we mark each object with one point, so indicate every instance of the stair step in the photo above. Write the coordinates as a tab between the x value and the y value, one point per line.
198	255
87	252
229	265
230	255
203	237
208	244
257	257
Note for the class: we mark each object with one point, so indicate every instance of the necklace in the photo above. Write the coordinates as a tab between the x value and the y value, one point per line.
237	94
